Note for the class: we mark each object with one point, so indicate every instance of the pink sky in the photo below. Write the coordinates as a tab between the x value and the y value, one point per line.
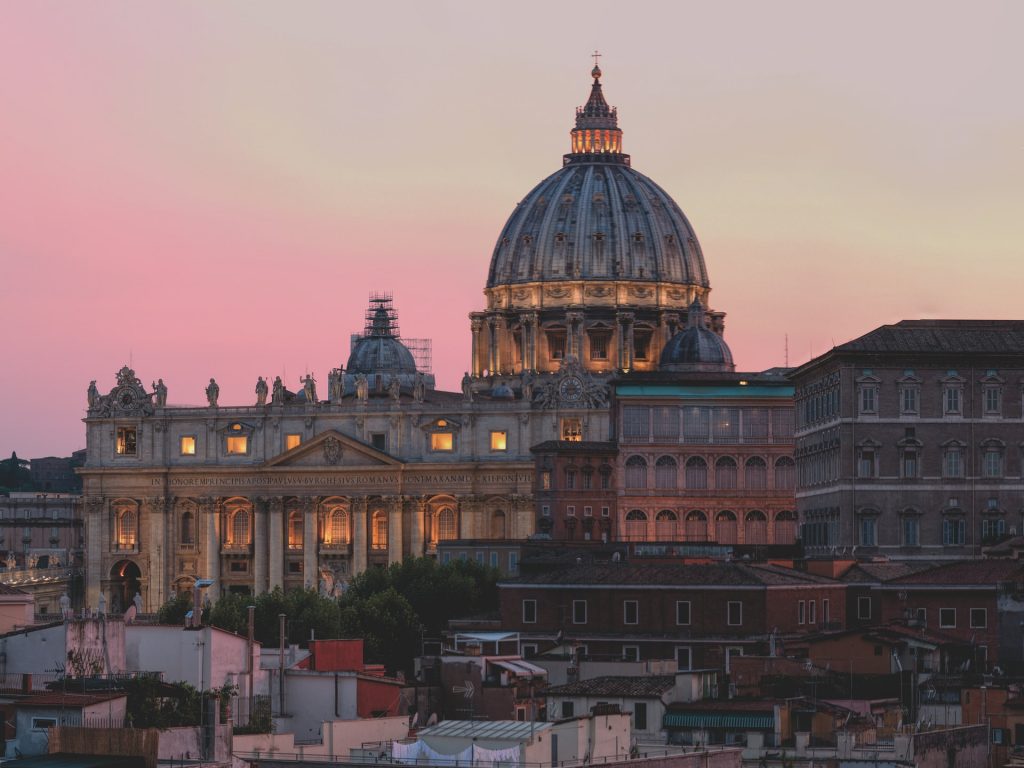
212	189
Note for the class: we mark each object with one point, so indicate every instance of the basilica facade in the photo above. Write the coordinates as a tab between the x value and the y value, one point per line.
597	275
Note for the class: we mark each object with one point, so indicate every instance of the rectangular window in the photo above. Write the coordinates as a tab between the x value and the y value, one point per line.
442	441
812	612
801	607
641	344
545	510
556	344
239	566
528	650
992	463
635	423
993	401
734	613
599	345
572	430
954	531
952	464
379	440
864	608
187	445
684	657
499	440
529	611
951	400
909	462
126	441
682	612
631	653
42	723
630	612
480	557
293	440
868	531
866	463
947	618
570	510
588	480
570	480
825	618
588	511
868	399
911	532
605	512
513	562
640	715
567	709
908	400
922	616
494	559
979	618
237	445
579	611
545	480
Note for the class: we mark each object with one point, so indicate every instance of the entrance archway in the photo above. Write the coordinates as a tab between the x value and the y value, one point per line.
125	581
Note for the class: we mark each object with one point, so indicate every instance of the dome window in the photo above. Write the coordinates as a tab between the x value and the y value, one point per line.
638	237
560	237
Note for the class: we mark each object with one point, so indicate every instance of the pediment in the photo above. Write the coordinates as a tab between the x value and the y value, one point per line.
333	449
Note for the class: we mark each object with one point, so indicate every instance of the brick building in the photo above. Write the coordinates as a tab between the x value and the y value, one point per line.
909	440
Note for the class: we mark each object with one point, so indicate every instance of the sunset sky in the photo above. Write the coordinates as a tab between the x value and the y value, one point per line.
213	189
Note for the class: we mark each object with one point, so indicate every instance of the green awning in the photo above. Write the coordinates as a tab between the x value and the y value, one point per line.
738	721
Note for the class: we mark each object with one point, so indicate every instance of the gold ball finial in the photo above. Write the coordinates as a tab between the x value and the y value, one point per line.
596	71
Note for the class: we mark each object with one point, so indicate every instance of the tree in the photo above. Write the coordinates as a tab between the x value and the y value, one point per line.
388	625
14	474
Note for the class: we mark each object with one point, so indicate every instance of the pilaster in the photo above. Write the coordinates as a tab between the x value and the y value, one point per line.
309	559
259	540
211	510
416	527
395	510
358	536
96	545
275	538
156	517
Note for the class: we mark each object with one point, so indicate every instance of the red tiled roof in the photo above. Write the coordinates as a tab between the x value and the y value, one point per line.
642	687
964	572
75	700
670	574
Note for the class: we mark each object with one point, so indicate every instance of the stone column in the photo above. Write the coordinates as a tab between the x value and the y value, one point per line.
156	516
534	346
625	340
395	507
96	544
475	324
416	528
309	539
468	510
259	545
275	537
574	334
358	536
211	510
492	345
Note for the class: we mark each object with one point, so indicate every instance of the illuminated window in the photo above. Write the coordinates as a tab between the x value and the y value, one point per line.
336	527
238	444
292	441
127	529
188	536
295	530
126	441
442	441
499	440
641	344
238	528
545	481
556	344
572	430
188	445
447	529
379	530
599	345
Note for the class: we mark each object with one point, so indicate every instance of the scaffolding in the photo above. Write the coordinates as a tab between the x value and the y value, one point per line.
382	320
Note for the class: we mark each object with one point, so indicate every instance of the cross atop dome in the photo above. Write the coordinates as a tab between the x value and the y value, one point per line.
597	135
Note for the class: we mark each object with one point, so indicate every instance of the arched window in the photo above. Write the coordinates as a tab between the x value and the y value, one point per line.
785	527
696	526
725	473
379	530
295	530
187	530
447	529
636	525
755	474
725	527
696	473
127	529
240	527
757	527
636	472
497	524
785	474
665	525
665	473
336	527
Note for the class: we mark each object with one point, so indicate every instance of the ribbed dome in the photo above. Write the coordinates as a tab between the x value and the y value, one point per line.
597	218
597	221
696	348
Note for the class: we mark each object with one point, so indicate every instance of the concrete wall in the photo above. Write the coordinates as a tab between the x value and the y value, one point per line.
186	743
558	675
36	741
16	611
99	643
37	652
339	738
312	696
206	658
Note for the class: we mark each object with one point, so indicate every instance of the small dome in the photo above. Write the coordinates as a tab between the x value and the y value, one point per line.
697	348
378	350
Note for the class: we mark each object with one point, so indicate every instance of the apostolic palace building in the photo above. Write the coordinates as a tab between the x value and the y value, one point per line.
601	404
